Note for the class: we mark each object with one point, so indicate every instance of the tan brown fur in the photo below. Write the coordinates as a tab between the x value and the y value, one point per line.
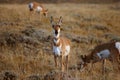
93	58
110	46
62	43
35	5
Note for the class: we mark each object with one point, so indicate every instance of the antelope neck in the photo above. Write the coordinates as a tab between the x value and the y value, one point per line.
56	41
56	38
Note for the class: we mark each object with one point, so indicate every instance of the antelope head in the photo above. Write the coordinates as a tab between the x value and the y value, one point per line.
45	12
83	63
56	26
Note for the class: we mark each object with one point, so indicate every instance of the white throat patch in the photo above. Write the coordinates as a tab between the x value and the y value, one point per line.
58	30
56	41
103	54
57	36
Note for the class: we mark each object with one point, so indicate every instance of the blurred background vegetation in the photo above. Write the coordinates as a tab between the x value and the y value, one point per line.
59	1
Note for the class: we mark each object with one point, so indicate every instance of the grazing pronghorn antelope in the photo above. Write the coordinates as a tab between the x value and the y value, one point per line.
36	7
61	45
110	51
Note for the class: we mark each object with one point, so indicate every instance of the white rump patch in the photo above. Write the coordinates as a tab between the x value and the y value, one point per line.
117	45
103	54
30	5
67	50
39	9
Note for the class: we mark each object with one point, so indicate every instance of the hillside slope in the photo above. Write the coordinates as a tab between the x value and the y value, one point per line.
25	46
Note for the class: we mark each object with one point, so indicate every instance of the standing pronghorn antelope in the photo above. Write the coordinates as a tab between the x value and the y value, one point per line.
36	7
61	45
110	51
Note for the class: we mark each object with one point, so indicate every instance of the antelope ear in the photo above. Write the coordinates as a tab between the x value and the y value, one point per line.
60	21
52	21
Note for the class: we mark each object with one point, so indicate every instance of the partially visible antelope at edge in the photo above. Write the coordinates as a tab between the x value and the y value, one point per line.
61	45
35	7
107	51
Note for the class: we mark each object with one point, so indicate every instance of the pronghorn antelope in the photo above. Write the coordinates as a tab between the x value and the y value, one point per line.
36	7
61	45
110	51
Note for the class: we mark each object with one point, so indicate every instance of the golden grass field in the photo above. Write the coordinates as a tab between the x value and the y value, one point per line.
86	25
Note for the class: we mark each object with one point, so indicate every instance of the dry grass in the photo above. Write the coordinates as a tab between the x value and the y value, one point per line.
95	22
